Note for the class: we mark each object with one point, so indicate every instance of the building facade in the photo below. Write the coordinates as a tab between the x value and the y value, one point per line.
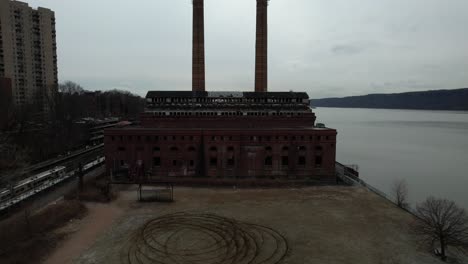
223	135
200	136
28	52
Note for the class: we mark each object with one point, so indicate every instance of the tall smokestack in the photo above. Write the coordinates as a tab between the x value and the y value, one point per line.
261	47
198	55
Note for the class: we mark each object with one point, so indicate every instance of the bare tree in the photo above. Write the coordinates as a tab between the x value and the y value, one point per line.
443	224
70	87
400	190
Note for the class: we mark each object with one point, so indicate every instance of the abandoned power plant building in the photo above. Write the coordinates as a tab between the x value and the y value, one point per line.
201	135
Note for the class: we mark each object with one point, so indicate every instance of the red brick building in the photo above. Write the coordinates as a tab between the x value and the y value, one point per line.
223	136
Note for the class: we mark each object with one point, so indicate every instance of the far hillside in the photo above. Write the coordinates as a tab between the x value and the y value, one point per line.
428	100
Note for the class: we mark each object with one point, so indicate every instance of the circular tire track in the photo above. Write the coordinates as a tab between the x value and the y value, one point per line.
184	238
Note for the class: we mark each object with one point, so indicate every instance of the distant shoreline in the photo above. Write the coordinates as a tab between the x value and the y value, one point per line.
434	100
401	109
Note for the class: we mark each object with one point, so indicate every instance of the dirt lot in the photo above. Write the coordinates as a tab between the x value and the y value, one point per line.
310	225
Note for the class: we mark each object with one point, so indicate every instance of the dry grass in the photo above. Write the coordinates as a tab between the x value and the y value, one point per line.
321	224
27	237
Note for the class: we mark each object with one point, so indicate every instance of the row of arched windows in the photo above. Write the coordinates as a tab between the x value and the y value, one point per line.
238	113
225	100
230	148
130	138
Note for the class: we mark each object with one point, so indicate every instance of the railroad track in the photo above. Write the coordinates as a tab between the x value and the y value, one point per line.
31	186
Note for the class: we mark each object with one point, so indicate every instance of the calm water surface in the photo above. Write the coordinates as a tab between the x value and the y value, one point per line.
427	148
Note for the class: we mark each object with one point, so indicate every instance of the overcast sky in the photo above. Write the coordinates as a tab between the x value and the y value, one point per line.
324	47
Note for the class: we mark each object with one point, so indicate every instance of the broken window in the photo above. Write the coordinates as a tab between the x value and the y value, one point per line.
213	161
174	149
318	161
156	161
301	161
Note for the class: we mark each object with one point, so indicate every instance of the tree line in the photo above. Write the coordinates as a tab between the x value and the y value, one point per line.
47	127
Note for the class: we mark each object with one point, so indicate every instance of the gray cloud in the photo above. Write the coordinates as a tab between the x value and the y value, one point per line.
323	47
346	49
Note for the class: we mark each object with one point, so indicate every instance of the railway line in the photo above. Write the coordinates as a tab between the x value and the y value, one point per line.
54	162
38	183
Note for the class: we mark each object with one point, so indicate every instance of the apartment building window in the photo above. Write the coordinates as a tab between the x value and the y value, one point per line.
269	161
284	161
230	162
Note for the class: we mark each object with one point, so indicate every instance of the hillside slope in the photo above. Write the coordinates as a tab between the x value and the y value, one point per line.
430	100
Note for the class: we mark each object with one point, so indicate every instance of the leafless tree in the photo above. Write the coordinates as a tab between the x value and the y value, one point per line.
443	224
400	191
70	87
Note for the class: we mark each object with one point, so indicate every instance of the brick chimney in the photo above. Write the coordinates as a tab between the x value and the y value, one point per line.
261	47
198	55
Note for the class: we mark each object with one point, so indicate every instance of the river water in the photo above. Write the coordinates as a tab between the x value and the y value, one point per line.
429	149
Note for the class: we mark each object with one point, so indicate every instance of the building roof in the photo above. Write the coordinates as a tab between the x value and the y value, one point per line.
240	128
199	94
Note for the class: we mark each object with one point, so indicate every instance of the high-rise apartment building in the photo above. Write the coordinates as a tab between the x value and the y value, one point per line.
28	54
